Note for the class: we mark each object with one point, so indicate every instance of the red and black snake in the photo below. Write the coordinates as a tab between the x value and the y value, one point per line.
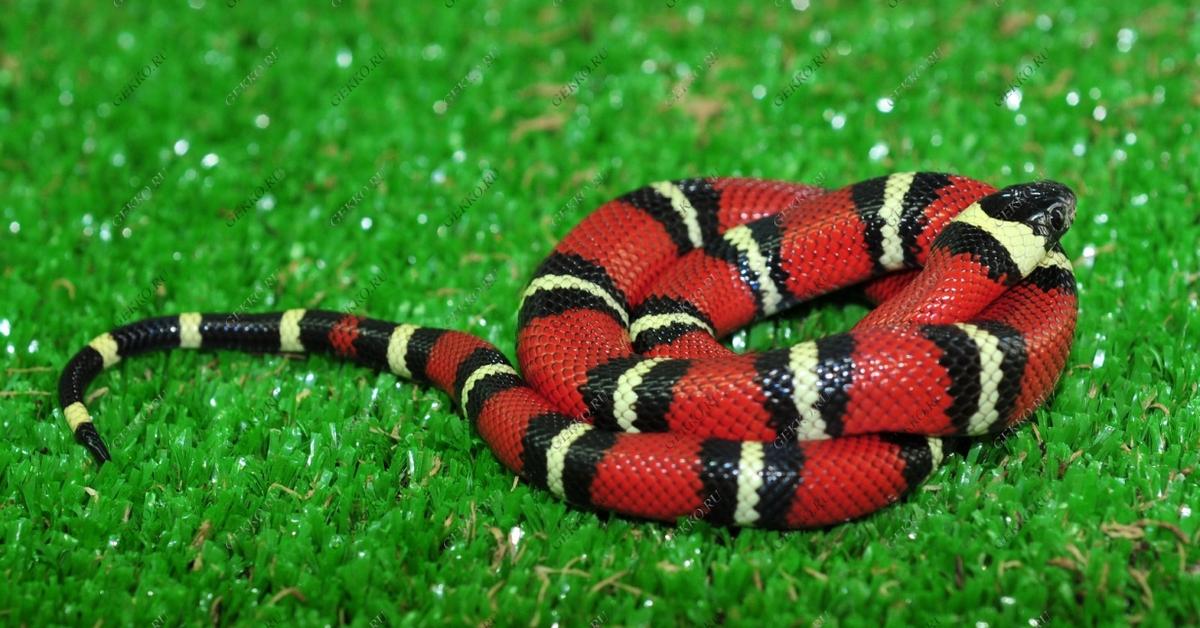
628	402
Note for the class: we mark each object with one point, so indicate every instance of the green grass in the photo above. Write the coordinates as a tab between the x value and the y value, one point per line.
356	498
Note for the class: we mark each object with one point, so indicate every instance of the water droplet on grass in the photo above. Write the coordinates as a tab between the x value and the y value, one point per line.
1125	39
1089	255
344	58
1012	99
1099	113
1072	98
1098	359
878	151
210	160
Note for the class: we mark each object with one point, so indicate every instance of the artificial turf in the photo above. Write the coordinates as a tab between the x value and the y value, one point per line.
157	160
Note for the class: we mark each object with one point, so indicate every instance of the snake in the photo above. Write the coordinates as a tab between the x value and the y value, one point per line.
630	398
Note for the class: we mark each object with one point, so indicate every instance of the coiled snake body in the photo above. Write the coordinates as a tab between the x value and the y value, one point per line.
628	402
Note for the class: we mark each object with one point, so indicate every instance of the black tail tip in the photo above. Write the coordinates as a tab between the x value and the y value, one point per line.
87	436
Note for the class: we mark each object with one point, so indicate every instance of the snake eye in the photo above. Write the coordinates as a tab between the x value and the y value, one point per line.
1057	220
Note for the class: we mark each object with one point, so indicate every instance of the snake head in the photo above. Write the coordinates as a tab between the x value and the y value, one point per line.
1047	207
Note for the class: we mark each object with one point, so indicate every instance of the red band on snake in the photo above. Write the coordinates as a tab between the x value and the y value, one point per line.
627	400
